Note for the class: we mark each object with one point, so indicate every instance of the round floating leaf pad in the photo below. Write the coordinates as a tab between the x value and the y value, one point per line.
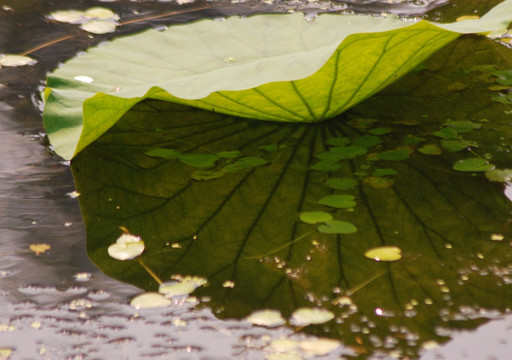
337	227
384	253
313	217
338	201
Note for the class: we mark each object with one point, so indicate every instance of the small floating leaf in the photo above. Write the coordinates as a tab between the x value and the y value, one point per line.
349	152
100	13
339	201
384	253
39	248
380	131
395	155
504	77
150	300
384	172
366	141
457	145
499	175
269	148
319	346
199	160
430	149
412	140
473	164
326	166
447	133
338	141
99	26
184	287
245	163
379	182
206	174
330	156
463	126
16	60
228	154
341	183
308	316
164	153
126	247
337	227
68	16
266	317
313	217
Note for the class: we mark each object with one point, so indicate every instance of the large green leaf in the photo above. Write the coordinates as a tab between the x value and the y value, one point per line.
248	226
271	67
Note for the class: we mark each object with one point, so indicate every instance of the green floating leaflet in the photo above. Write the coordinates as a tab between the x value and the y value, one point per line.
294	71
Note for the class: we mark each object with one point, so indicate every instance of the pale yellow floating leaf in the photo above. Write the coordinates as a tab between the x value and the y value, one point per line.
186	286
68	16
126	247
266	317
101	13
150	300
308	316
99	26
15	60
39	248
319	347
384	253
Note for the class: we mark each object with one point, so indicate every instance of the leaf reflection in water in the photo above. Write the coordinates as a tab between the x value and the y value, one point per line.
245	226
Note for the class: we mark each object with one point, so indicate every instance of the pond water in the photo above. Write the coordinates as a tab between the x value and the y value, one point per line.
447	297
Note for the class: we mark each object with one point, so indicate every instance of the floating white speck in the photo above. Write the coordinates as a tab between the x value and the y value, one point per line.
73	194
150	300
126	247
308	316
228	284
83	276
267	317
84	79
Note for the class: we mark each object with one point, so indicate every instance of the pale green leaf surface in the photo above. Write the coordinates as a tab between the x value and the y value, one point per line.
291	71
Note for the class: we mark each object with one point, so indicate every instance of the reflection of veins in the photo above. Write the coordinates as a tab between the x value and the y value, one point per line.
447	199
424	226
294	232
363	196
228	197
336	130
262	211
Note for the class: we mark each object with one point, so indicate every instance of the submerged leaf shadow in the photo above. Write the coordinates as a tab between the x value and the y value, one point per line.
245	227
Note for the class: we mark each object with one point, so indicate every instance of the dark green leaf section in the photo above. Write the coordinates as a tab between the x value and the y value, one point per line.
248	226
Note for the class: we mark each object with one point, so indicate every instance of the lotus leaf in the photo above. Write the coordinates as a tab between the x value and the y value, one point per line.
269	67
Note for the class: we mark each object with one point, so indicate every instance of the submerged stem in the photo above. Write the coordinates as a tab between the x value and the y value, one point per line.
150	272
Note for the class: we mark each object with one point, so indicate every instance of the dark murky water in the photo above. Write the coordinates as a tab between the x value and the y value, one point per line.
57	304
